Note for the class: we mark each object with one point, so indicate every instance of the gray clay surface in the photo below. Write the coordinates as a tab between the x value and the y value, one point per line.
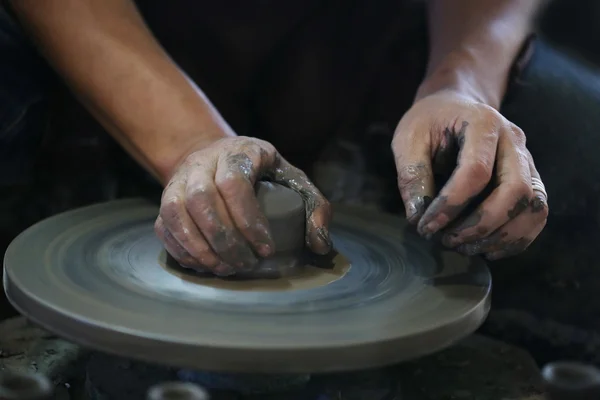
285	212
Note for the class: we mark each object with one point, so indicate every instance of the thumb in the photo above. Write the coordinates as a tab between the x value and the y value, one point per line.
415	174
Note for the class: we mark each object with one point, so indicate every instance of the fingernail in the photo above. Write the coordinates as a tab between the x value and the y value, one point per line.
265	250
224	270
431	227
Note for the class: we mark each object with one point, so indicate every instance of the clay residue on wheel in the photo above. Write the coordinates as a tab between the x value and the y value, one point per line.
308	277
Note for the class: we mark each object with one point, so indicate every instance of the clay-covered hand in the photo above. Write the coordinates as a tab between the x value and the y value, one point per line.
210	218
491	150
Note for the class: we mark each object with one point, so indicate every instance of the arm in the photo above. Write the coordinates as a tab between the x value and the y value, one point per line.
209	217
473	44
110	59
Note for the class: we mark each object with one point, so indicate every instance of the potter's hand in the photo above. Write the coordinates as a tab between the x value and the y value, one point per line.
210	218
490	150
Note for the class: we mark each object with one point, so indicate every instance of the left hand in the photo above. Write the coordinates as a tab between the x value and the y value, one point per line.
491	149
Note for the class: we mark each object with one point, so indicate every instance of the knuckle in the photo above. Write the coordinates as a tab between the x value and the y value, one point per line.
170	207
230	182
487	111
248	146
409	175
260	150
198	195
480	170
518	134
243	139
520	189
490	116
524	157
266	146
256	144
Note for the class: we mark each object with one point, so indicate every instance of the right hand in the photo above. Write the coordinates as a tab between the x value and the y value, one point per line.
210	218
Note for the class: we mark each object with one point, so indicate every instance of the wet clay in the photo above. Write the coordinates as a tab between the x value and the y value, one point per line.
307	277
284	209
285	213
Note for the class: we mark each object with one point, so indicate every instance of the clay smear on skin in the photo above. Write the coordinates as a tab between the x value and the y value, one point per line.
309	277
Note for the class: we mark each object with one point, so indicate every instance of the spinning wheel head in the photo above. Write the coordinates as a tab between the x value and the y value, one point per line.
98	276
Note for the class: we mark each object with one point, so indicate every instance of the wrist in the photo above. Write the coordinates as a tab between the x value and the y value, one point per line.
461	71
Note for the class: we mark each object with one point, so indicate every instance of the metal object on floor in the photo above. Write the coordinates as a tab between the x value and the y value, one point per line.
177	391
571	381
100	277
24	386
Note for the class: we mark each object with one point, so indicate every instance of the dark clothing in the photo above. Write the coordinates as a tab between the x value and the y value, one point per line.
339	75
294	73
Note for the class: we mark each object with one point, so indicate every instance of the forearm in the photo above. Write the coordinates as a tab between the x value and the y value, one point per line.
118	70
473	44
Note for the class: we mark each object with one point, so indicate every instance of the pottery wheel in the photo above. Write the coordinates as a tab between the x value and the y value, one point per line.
99	276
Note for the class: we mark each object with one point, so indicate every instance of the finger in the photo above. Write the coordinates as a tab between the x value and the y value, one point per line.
182	256
539	204
172	246
509	199
513	237
538	207
235	178
175	219
516	247
208	210
472	174
318	209
415	176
